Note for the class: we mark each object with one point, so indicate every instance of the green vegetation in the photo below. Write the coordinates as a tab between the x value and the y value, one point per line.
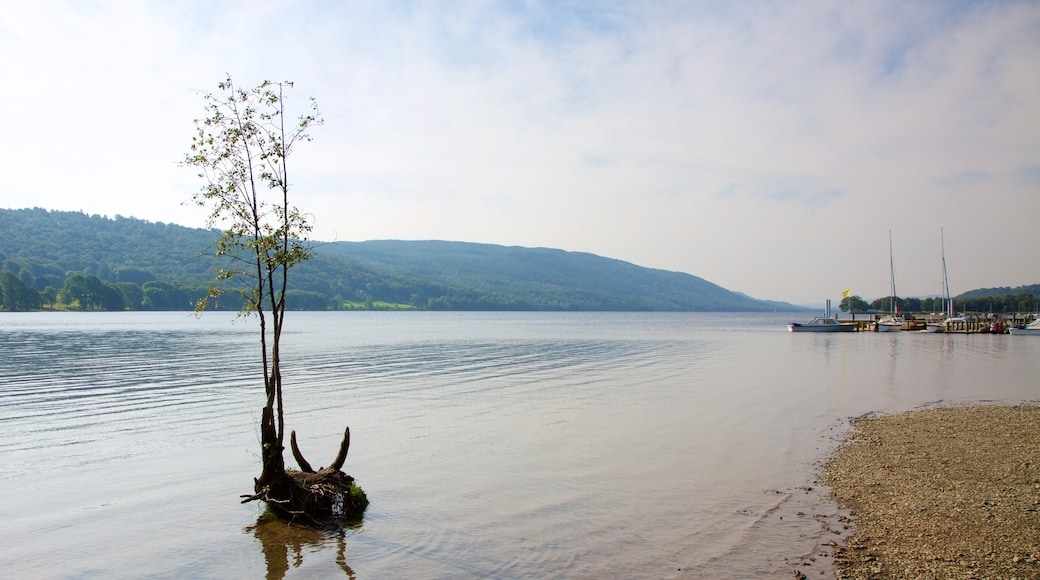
1005	291
492	277
86	292
157	266
1000	300
1005	304
853	304
15	294
241	150
162	266
974	301
358	495
376	305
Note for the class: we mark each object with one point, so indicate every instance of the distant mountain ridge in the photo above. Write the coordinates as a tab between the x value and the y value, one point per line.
166	266
1031	289
550	277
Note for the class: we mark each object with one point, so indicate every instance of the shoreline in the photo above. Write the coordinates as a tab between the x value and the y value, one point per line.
940	493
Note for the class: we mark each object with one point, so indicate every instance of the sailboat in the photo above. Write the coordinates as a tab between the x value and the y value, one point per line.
944	323
892	322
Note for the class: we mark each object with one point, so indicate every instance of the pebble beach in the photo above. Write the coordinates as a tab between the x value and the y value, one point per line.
941	493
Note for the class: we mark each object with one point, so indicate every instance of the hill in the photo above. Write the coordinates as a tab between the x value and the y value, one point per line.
153	265
1000	300
1031	289
549	278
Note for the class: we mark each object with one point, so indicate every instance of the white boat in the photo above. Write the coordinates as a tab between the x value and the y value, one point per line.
942	324
938	326
1031	328
893	321
825	323
890	323
821	324
949	324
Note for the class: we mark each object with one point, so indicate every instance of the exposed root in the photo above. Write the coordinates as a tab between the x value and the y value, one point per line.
318	498
304	466
344	446
313	497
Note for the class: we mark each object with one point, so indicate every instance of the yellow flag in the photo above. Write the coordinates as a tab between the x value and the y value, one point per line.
846	293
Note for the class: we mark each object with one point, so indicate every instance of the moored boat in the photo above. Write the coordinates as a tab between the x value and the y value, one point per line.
821	324
1031	328
949	324
938	326
892	322
825	323
943	324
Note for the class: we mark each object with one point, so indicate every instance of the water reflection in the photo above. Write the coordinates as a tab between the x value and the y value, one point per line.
284	545
893	357
520	421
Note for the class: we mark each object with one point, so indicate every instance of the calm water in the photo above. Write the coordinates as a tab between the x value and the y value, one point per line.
527	445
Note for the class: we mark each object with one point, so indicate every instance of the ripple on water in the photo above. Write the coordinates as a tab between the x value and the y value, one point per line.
491	444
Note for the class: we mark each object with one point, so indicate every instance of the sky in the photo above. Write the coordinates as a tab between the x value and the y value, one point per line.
768	147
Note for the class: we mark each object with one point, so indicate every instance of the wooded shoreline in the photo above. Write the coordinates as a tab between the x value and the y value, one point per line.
941	493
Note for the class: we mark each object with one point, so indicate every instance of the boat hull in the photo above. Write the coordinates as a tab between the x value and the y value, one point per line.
950	325
795	327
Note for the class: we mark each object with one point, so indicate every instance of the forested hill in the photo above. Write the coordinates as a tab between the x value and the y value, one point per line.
1002	291
75	260
549	277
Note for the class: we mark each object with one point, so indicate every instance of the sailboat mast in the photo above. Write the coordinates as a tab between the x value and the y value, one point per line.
946	277
892	266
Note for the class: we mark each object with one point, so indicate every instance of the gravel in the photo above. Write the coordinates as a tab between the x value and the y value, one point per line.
941	493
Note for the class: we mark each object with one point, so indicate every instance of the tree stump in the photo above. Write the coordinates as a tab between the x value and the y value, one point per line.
321	497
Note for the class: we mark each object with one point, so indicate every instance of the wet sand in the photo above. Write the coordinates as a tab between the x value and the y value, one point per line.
941	493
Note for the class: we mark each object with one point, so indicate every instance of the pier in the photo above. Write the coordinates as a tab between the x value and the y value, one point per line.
966	324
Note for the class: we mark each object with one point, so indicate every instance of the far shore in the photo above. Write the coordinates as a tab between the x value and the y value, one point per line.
941	493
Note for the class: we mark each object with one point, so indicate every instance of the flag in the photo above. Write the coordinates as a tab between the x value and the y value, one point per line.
846	293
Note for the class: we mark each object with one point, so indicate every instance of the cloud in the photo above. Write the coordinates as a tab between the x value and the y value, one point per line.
765	146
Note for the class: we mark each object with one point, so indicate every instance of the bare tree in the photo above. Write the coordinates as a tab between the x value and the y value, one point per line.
241	148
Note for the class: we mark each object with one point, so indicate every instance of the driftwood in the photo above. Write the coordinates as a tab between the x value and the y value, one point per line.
308	496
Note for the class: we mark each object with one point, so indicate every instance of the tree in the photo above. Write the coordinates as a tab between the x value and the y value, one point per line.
16	295
158	295
884	304
241	149
90	293
49	295
133	296
305	300
853	304
912	305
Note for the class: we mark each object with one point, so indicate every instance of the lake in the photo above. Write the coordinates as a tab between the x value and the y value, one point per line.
491	445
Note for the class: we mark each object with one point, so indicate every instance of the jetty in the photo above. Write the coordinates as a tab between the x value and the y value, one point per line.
962	324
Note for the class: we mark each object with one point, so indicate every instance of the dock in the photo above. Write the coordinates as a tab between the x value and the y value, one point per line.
966	324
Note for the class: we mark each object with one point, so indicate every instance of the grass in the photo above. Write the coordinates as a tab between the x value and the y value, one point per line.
377	305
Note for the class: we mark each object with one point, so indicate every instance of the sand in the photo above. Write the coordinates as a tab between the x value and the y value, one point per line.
941	493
